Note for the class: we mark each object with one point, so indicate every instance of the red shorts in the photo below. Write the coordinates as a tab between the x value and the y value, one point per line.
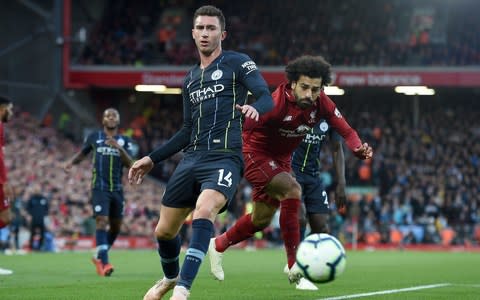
4	202
259	171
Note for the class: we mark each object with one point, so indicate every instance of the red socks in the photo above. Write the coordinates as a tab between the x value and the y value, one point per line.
244	229
240	231
290	227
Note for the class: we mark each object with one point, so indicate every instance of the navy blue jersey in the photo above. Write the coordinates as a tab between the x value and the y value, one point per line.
211	95
306	157
107	164
211	122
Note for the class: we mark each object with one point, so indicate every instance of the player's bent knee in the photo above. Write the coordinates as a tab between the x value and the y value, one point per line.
164	235
262	222
294	191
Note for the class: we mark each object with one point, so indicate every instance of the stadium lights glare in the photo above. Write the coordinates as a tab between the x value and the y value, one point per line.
150	88
170	91
157	89
334	90
415	90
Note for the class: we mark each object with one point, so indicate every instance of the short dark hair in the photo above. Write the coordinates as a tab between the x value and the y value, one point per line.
5	100
311	66
212	11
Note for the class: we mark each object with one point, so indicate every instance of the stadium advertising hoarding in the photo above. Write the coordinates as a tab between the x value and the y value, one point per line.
124	77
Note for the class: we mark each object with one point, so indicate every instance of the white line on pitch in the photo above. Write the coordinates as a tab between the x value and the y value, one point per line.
409	289
468	285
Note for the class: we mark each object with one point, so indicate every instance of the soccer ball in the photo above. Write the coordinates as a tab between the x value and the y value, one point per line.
321	257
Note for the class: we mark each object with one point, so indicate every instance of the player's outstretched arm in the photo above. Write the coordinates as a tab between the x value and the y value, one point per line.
78	157
339	164
139	169
248	111
364	151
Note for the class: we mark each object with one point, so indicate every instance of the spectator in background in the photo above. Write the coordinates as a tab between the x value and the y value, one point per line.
38	208
111	154
6	193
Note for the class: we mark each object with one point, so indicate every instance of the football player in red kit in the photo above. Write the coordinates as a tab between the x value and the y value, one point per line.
6	107
268	145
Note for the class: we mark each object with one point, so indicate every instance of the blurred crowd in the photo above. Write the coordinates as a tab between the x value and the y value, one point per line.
421	186
34	157
347	33
426	171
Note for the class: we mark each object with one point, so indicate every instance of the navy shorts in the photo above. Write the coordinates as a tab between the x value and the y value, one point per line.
313	194
106	203
220	171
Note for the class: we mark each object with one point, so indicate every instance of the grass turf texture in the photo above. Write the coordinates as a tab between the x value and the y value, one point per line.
249	275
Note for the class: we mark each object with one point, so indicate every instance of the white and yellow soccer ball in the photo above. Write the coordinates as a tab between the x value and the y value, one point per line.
321	257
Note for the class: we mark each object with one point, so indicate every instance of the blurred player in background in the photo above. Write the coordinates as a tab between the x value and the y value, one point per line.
214	99
6	192
111	153
306	167
268	146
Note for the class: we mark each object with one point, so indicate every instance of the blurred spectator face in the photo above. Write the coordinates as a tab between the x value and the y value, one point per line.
306	90
111	118
6	112
207	34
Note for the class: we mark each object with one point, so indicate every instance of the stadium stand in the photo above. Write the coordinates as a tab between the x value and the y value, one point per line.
388	33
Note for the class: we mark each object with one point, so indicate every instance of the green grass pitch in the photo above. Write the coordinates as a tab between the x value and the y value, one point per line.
248	275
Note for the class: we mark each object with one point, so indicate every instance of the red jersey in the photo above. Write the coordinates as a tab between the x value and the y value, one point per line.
3	169
278	132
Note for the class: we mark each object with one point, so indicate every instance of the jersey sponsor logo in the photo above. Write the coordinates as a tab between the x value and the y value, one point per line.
299	131
108	151
287	118
217	75
313	139
205	93
99	141
249	66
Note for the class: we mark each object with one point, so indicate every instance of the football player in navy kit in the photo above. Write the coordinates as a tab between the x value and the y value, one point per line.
214	100
111	153
306	166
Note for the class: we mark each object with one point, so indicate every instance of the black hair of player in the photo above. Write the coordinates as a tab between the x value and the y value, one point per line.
310	66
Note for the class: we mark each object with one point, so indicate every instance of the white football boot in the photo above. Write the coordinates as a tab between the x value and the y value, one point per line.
180	293
303	283
306	285
160	288
294	274
215	261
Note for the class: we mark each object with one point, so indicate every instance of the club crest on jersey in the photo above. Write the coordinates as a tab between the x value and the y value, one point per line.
323	126
217	75
121	142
